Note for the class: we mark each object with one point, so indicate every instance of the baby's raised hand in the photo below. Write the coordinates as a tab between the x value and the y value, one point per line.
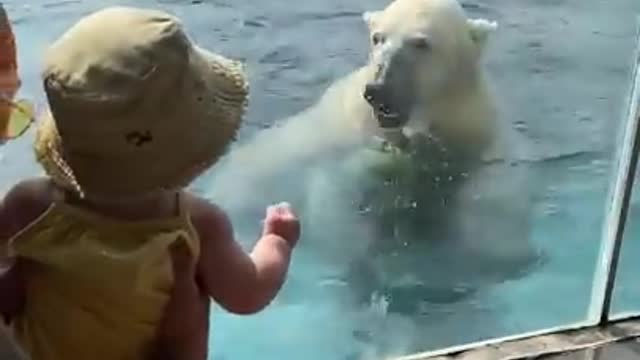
281	221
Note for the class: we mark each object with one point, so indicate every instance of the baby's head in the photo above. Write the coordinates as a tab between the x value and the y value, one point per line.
135	106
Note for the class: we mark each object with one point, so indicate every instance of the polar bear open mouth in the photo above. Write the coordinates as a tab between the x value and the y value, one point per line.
386	116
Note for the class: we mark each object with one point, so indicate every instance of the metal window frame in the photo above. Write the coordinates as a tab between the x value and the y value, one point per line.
614	227
543	345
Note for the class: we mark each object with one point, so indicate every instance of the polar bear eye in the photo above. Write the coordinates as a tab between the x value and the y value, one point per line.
377	38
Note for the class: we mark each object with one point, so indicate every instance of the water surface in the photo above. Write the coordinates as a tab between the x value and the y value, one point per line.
561	71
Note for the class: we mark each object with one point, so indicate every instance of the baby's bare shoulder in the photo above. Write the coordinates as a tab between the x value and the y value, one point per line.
209	220
24	203
200	207
31	192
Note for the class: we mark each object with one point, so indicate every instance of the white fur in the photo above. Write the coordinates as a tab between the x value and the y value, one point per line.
342	117
459	109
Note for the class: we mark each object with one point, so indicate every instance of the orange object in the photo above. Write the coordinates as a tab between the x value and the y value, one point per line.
9	80
7	43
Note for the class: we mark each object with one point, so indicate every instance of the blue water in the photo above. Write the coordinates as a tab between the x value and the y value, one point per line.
561	71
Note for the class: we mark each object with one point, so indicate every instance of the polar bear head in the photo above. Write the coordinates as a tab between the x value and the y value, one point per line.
421	51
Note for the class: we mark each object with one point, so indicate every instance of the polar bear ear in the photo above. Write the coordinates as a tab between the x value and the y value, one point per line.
480	29
370	17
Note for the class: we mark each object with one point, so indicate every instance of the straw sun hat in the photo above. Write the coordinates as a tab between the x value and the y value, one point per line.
135	106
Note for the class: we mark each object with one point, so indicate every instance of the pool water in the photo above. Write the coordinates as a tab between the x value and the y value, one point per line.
561	70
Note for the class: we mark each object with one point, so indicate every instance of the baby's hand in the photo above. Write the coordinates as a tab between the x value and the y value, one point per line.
281	221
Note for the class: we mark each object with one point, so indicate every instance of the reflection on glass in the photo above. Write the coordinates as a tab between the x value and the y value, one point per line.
475	226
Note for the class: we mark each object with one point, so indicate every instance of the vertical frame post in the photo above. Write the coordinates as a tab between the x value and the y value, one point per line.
618	211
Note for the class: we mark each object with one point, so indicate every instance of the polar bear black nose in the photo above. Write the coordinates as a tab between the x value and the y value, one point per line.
372	92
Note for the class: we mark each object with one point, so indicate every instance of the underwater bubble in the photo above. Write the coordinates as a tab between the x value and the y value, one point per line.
362	209
379	303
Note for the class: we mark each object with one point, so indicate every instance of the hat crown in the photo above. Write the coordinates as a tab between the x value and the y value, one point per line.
113	74
114	54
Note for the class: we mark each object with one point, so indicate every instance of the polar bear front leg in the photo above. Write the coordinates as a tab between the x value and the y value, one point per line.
493	211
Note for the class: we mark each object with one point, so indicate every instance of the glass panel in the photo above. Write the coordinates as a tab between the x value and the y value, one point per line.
430	275
404	253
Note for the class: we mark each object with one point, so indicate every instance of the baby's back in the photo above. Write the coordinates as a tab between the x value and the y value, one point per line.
96	286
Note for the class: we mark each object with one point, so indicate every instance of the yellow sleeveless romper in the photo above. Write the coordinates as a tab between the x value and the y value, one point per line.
97	286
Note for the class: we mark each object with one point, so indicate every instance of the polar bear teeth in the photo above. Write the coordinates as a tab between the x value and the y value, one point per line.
387	112
380	109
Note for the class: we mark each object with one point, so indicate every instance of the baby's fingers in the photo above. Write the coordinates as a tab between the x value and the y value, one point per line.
271	211
285	210
182	260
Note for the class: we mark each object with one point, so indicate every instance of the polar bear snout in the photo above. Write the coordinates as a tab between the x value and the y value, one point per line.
373	93
386	116
388	112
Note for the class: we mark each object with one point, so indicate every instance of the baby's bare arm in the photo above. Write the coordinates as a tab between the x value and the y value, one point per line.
241	283
22	205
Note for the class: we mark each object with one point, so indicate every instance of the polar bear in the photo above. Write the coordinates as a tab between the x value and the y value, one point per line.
425	62
424	87
424	74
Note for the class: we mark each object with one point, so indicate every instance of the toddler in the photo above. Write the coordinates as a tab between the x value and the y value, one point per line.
137	112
